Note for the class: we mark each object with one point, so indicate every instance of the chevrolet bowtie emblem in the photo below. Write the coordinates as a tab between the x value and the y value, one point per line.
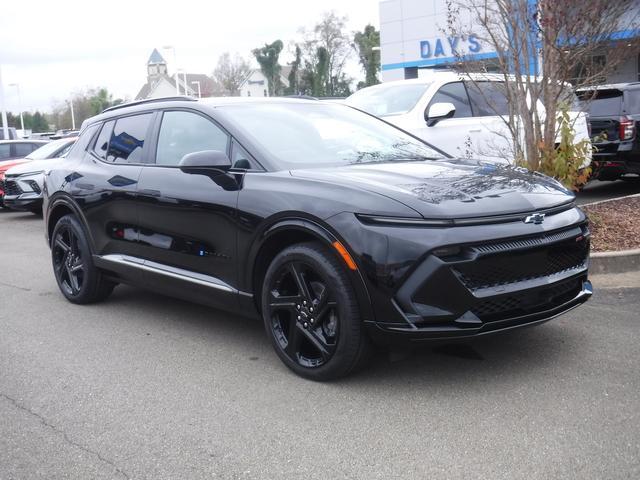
536	218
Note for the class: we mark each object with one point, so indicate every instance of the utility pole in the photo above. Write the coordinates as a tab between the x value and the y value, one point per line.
197	82
19	105
5	125
73	117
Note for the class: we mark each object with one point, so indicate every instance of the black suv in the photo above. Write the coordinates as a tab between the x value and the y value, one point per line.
334	227
614	112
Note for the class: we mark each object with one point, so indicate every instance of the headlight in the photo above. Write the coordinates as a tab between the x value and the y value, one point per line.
402	221
31	173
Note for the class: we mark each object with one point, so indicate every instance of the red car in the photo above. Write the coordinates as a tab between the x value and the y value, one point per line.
15	152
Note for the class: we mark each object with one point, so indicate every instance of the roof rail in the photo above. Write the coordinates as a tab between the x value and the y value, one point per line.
149	100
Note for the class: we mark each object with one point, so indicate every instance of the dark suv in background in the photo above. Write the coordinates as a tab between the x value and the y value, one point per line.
614	112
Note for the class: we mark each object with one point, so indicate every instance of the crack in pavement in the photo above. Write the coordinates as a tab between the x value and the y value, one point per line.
66	438
24	289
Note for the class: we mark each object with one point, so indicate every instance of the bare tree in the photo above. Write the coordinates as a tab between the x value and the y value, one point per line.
328	47
230	73
541	47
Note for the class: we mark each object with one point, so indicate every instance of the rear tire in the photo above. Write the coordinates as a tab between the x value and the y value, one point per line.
311	313
78	278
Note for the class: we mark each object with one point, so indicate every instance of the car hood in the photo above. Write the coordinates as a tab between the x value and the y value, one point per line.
4	166
33	166
451	188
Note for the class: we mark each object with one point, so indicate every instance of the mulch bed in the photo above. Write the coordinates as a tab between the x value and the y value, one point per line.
615	225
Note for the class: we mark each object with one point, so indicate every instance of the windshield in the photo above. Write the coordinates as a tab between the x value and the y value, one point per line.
388	99
49	149
310	134
605	103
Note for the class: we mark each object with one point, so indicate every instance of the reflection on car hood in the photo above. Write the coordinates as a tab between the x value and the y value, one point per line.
451	188
34	166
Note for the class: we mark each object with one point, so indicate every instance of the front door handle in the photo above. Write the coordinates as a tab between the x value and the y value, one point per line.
475	130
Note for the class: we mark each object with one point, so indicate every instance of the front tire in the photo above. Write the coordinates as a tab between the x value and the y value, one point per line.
78	278
311	313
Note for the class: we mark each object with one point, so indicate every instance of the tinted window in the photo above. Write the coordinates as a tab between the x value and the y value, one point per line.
453	93
128	137
488	99
5	151
240	158
102	142
602	103
632	102
184	132
388	99
24	149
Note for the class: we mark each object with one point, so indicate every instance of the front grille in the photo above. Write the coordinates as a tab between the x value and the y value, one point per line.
514	262
527	302
12	188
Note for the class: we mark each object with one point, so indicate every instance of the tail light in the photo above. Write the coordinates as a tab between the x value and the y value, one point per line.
627	128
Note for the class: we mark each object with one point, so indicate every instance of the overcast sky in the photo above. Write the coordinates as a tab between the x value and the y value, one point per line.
53	49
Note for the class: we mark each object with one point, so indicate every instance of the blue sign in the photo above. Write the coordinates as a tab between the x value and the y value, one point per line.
449	46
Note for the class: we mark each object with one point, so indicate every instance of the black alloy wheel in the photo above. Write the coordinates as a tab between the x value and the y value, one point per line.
67	261
77	277
311	313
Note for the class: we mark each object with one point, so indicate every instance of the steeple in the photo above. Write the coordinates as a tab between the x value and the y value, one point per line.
156	65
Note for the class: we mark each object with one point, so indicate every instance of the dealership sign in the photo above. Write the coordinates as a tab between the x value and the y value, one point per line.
450	46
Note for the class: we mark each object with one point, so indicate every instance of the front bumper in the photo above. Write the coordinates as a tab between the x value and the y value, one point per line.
23	202
490	287
22	193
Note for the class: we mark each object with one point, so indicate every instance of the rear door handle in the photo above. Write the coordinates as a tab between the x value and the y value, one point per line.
475	130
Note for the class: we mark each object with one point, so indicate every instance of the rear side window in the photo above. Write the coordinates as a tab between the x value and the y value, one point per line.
102	142
488	99
602	103
456	94
5	151
632	102
24	149
185	132
127	139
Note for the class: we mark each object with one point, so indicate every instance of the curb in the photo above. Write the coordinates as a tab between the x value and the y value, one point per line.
615	262
607	200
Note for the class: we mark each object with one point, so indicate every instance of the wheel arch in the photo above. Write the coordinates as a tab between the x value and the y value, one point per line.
60	206
291	231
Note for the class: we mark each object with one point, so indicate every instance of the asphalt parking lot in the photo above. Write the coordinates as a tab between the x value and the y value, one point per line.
596	190
145	386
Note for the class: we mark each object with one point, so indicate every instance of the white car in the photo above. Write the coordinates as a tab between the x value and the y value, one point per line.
461	118
23	183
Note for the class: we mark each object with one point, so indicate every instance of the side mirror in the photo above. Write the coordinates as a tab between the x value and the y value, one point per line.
439	111
206	162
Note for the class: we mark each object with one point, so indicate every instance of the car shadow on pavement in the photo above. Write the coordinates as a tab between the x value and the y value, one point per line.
13	215
494	359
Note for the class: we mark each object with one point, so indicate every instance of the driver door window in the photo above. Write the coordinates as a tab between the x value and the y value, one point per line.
186	132
454	93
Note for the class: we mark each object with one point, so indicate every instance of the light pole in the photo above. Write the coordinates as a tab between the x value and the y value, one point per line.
175	61
197	82
73	117
5	125
19	105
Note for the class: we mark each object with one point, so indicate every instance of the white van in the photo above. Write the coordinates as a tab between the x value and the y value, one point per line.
462	118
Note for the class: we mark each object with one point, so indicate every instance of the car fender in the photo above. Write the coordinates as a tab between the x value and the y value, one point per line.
322	233
64	199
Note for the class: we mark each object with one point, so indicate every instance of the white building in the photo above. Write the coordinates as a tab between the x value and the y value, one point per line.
413	36
257	85
159	83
